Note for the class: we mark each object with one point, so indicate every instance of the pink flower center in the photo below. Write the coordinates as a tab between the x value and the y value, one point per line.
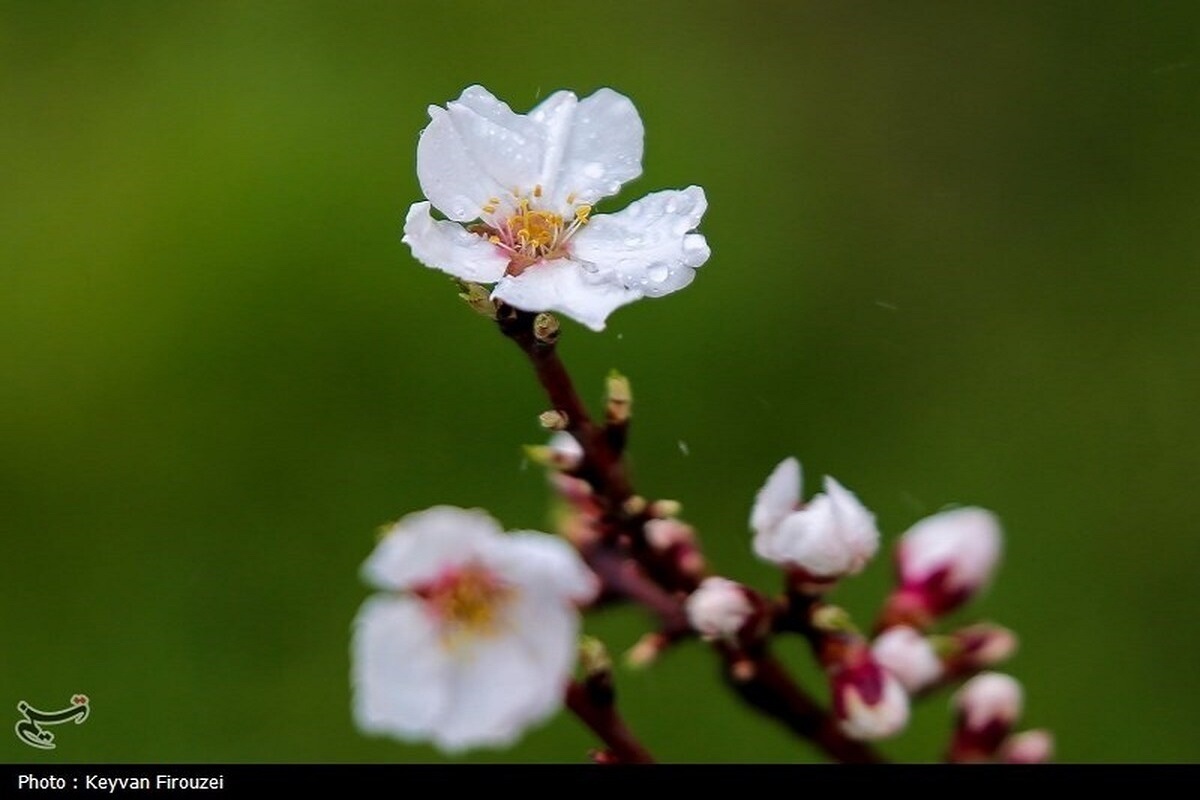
530	234
467	599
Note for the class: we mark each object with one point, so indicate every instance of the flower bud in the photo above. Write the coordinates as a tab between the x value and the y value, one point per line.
908	655
719	608
943	561
981	646
988	706
831	536
1029	747
868	700
561	452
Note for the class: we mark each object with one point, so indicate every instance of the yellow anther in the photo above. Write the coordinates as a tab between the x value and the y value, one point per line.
537	190
581	213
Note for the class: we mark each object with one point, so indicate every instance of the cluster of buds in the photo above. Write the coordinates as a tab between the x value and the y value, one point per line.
942	562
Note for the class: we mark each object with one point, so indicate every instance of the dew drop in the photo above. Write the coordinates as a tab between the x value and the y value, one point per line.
593	169
694	244
589	267
633	241
658	272
671	207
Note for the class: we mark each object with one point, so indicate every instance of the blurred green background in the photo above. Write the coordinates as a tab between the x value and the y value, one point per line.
954	260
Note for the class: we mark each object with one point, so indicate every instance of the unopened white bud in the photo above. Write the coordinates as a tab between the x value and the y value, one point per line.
718	608
989	699
869	702
908	655
1028	747
947	558
832	536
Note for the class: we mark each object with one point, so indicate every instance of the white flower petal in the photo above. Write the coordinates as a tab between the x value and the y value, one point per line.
476	149
809	539
778	497
550	631
423	545
537	562
399	672
649	244
566	287
449	247
592	147
494	686
855	524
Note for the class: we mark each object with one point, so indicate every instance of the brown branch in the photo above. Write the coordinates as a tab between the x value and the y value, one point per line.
593	702
762	683
628	566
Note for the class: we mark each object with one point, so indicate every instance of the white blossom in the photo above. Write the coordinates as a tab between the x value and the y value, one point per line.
831	536
518	191
475	638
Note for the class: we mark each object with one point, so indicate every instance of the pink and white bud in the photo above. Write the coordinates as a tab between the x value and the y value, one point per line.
989	698
945	560
1029	747
868	700
988	706
719	608
831	536
676	540
908	655
981	646
663	534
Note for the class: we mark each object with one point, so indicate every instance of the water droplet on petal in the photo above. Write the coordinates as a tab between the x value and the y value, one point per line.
658	272
589	266
633	241
672	207
594	170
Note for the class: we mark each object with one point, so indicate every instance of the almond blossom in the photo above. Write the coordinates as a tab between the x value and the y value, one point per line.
518	193
476	636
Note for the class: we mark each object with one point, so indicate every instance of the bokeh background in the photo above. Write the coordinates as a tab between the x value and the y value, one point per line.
954	261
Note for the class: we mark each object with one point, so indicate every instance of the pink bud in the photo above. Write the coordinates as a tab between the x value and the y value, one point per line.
988	706
1029	747
989	698
719	608
908	655
868	700
945	559
663	534
982	645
